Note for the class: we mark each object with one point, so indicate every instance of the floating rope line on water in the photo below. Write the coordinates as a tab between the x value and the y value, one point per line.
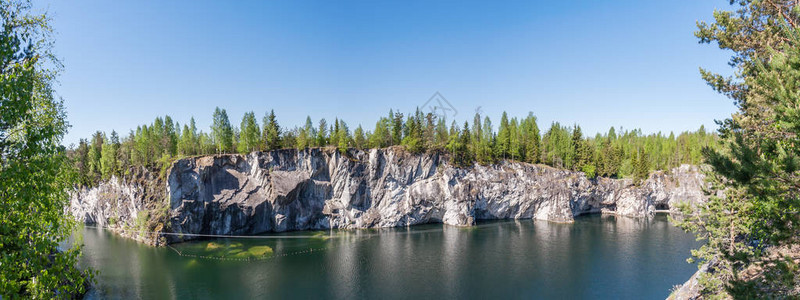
219	235
223	258
264	236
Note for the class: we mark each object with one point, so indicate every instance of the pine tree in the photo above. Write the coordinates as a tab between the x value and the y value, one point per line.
757	165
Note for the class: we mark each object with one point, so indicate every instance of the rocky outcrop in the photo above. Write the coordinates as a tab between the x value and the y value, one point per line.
690	289
321	188
135	209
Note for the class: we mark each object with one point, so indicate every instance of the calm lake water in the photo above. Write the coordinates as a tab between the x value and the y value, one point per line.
597	257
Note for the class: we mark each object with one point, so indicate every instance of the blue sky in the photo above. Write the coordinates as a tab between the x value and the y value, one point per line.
596	63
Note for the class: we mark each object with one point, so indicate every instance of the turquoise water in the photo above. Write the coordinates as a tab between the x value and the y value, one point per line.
597	257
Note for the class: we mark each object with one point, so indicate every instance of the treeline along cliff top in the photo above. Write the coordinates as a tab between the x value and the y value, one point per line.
617	153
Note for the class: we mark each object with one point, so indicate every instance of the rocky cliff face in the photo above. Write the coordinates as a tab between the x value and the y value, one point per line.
132	208
320	189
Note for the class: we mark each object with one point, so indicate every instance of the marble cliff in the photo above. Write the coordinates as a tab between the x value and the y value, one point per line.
286	190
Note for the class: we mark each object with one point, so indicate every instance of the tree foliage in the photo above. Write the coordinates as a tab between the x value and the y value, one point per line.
272	131
34	170
757	164
250	134
618	153
221	131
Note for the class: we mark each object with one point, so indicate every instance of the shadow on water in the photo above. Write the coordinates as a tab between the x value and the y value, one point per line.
596	257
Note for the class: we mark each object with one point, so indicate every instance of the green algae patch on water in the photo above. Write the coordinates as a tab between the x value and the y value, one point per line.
213	246
191	264
320	235
260	250
224	250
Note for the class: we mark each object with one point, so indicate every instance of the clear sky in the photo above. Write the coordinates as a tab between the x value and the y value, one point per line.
625	63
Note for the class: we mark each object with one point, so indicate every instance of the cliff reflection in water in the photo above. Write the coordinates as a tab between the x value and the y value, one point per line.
596	257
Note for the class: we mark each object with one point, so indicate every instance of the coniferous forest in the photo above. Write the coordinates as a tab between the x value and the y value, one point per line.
617	153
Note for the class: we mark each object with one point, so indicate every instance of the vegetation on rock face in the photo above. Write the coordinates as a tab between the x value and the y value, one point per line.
618	153
34	171
758	164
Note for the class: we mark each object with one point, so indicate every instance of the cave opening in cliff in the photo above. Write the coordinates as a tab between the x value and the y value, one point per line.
662	206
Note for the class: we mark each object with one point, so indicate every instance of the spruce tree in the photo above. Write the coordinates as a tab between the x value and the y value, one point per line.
580	149
194	147
271	134
503	137
463	157
334	139
515	146
396	127
532	139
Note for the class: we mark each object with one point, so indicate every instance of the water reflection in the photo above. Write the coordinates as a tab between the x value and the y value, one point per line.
596	257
